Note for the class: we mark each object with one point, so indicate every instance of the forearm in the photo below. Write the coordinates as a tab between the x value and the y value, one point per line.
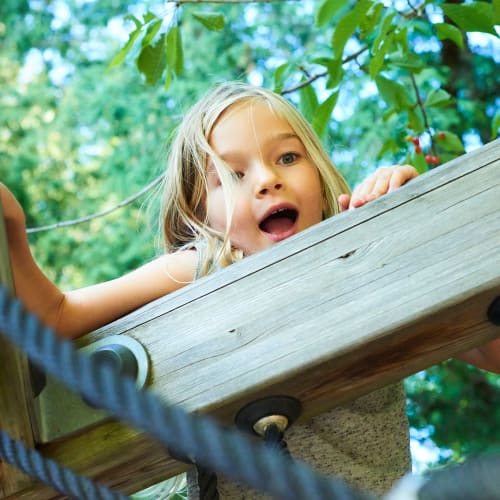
86	309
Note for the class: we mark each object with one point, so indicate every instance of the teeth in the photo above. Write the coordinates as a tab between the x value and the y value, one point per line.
278	211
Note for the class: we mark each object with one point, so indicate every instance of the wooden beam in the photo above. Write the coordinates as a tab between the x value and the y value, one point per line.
350	305
15	392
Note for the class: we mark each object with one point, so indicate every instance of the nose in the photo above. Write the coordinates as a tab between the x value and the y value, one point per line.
267	179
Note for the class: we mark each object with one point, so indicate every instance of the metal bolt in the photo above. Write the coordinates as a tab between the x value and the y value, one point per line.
280	421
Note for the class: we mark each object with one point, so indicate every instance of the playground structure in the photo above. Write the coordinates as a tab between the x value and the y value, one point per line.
390	289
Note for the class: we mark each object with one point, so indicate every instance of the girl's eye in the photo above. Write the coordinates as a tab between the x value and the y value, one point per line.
288	158
239	175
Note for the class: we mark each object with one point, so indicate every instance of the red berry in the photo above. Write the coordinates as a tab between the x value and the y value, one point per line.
435	160
441	135
416	141
429	158
418	149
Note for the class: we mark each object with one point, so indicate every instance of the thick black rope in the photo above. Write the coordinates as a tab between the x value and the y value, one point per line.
211	446
51	473
207	480
207	484
275	440
476	479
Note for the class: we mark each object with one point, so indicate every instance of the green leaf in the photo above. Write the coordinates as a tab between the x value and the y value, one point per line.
153	29
279	76
408	61
152	61
475	16
393	93
495	124
436	98
175	53
347	26
327	9
376	63
449	142
416	120
168	78
149	16
211	20
447	31
389	145
418	161
130	17
401	40
335	73
371	20
383	31
120	57
381	45
323	114
308	102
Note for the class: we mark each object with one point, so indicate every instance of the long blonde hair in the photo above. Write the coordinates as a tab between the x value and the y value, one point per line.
183	213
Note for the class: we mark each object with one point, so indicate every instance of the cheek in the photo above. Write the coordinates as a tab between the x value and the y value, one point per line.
216	211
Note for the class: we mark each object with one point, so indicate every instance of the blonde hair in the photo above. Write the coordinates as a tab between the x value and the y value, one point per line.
183	213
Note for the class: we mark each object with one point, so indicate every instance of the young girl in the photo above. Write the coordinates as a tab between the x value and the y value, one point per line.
245	172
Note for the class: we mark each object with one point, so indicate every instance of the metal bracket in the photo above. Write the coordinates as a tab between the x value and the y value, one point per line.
279	410
60	411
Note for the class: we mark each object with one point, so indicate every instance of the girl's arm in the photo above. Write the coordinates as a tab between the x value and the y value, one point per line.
486	356
81	311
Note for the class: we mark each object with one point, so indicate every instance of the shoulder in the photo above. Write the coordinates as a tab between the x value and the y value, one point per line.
166	273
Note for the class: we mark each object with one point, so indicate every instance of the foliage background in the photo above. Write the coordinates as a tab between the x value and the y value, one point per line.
90	92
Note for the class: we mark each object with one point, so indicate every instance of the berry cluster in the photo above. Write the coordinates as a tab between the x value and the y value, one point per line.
431	159
416	142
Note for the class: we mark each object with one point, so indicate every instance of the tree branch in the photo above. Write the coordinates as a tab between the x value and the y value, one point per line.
312	78
420	104
87	218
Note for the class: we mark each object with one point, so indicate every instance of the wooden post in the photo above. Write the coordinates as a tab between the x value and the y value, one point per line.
14	386
352	304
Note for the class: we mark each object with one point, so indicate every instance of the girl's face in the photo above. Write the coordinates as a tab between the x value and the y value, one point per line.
278	191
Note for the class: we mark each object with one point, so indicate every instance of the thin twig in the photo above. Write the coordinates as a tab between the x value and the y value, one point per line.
420	104
313	78
87	218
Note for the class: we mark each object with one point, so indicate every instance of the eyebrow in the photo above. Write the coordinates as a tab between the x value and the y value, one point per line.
228	155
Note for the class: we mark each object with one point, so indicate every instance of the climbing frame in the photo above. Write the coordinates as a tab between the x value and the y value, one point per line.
350	305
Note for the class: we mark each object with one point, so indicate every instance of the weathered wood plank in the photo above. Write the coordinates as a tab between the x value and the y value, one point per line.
14	386
341	309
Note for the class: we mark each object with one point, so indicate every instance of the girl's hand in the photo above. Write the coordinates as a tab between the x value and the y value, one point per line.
382	181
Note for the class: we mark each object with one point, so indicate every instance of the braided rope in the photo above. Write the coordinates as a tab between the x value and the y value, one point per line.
211	445
275	439
51	473
207	484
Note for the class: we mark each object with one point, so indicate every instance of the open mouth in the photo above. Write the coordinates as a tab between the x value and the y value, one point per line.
279	221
